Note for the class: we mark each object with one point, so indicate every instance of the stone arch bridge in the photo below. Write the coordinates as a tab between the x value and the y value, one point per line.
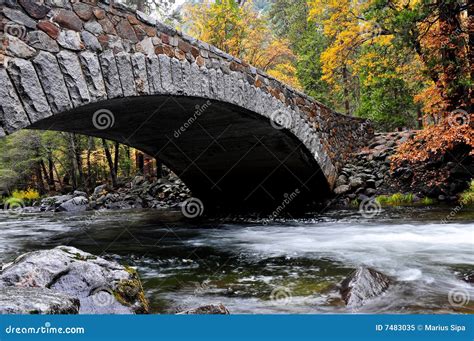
236	136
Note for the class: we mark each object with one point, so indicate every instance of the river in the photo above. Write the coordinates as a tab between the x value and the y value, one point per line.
290	266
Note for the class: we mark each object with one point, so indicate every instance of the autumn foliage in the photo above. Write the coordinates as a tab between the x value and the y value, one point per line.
244	33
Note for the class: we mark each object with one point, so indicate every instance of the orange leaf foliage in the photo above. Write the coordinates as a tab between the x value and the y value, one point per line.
435	141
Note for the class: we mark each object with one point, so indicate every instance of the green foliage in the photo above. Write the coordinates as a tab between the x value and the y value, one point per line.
290	21
400	199
388	103
467	197
427	201
43	161
26	197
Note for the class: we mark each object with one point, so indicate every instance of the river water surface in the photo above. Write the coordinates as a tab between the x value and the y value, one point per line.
290	266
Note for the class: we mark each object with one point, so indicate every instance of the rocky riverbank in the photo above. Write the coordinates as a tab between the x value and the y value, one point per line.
139	192
67	280
370	175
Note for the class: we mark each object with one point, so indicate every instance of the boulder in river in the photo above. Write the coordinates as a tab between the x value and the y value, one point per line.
363	284
77	204
101	286
51	203
32	300
207	310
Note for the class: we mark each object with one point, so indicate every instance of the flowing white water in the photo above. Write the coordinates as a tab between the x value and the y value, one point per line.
396	249
245	266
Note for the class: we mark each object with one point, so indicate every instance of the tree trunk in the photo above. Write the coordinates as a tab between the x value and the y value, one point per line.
90	146
159	169
128	164
39	179
57	176
51	183
72	156
419	119
110	162
470	46
140	163
116	158
345	79
45	172
453	57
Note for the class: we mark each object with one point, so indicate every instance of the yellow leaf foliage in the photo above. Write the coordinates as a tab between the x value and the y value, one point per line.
244	33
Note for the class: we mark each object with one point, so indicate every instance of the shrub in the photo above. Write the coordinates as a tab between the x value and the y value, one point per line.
467	197
400	199
27	196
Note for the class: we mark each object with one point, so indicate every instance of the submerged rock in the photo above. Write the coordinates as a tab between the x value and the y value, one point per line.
363	284
101	286
30	300
207	310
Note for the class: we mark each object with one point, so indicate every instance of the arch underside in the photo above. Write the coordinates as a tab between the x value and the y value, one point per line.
228	156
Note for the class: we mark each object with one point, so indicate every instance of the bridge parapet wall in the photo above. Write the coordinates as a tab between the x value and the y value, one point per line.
64	54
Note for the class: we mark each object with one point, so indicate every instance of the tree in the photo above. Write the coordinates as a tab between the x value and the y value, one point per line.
239	30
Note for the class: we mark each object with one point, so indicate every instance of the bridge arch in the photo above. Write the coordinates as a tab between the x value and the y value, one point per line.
236	136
